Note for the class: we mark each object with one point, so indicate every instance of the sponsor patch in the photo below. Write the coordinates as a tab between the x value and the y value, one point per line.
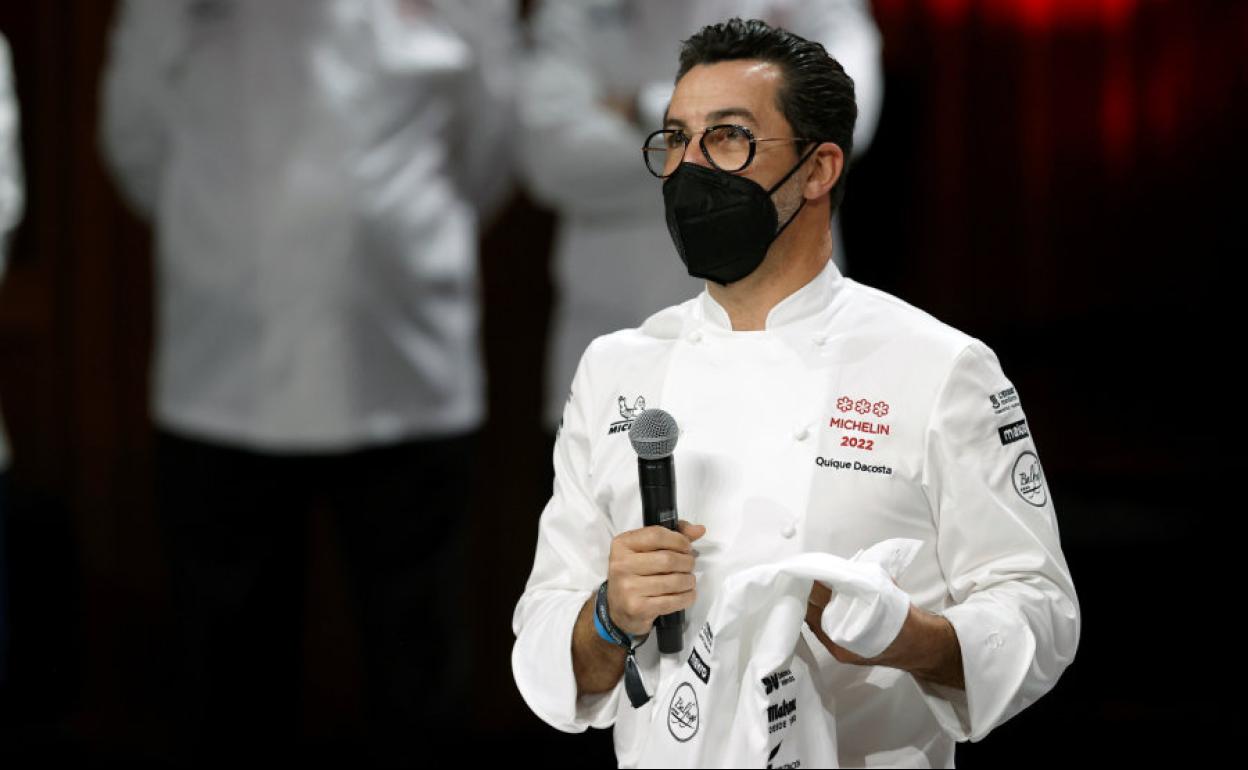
707	637
699	667
1004	401
773	682
1029	479
627	414
1015	431
682	713
771	757
781	715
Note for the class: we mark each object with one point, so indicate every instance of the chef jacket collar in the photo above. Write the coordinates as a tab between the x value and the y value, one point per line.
806	303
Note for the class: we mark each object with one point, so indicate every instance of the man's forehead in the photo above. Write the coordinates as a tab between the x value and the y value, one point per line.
744	90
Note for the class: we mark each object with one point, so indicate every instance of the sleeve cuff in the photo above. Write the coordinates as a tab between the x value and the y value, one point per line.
541	662
997	649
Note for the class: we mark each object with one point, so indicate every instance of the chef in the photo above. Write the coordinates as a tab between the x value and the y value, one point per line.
816	415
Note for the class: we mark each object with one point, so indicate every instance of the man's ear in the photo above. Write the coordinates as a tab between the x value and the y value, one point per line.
828	163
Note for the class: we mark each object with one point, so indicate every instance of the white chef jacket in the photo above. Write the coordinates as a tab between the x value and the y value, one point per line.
850	419
314	171
11	189
614	262
748	694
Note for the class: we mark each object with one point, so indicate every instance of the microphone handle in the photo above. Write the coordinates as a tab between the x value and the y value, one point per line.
658	506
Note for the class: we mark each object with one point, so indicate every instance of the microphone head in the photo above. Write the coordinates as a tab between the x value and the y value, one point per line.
654	434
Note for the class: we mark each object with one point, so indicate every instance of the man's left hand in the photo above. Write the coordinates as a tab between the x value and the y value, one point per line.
926	646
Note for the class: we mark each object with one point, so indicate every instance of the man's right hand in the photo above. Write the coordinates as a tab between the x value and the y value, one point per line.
650	573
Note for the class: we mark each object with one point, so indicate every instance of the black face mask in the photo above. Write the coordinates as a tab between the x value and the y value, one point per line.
722	224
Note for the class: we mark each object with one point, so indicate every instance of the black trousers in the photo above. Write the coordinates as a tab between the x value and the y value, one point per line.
237	531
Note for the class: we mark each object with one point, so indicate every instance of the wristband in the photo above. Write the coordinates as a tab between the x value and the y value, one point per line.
603	624
634	683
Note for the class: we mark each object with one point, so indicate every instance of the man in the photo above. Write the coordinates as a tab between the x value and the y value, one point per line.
316	173
606	63
816	415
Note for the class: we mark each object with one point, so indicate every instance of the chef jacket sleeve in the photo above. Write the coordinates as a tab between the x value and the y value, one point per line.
11	195
146	42
486	120
579	155
1014	605
848	31
573	545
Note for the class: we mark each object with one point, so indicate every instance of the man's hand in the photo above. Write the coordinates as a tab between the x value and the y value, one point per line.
926	647
650	573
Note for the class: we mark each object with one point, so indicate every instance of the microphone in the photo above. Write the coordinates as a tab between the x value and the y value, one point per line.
653	436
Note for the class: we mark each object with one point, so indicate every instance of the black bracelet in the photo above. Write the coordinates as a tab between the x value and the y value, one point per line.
607	629
634	683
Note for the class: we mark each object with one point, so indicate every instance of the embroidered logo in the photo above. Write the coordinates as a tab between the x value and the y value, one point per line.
699	667
1015	431
862	406
627	414
1029	480
1004	401
682	713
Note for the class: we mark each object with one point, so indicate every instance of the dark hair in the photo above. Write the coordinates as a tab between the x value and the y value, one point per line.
816	97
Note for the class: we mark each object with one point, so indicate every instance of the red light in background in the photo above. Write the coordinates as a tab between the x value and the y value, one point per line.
1035	15
1118	111
949	11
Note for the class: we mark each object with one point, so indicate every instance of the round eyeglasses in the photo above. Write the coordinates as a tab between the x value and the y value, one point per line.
727	147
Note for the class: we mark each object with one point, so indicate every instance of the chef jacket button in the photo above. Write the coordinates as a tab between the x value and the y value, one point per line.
788	531
802	433
994	641
695	336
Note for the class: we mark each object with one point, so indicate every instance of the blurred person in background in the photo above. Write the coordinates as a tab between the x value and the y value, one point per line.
316	174
11	199
597	84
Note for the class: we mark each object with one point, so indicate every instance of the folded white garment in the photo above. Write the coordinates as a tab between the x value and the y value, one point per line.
867	608
747	697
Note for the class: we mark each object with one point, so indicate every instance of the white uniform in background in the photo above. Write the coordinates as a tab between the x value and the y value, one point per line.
853	418
614	263
316	173
11	188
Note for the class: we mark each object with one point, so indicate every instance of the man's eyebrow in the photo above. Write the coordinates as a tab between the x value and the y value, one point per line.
714	117
732	112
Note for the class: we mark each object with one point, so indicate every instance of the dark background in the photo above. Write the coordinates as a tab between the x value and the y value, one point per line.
1062	178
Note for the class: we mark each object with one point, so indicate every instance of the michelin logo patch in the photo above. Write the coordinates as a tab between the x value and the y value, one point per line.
1015	431
627	414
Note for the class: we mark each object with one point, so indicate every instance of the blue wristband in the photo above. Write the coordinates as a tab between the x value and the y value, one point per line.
602	631
603	624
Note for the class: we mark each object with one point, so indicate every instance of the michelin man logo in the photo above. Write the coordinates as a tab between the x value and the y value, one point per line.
627	415
631	412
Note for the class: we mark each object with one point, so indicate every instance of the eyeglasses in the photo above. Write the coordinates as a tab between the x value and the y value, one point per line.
727	147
